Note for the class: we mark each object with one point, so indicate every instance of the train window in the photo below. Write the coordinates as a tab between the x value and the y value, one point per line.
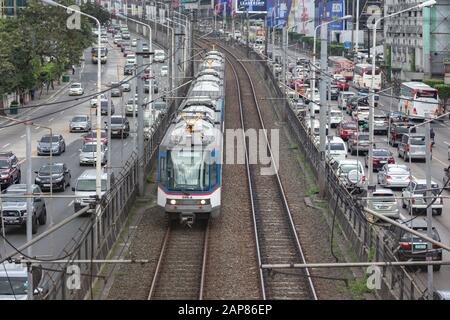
214	174
162	173
206	177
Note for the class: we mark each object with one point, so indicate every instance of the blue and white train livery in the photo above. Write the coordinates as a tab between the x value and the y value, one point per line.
190	154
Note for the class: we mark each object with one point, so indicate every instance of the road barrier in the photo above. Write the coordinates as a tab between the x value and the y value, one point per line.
367	240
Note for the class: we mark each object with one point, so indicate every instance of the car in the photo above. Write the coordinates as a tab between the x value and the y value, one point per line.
88	154
410	247
446	178
413	196
441	295
380	157
380	124
146	50
394	176
343	97
128	69
334	92
131	107
120	127
76	89
383	201
397	130
159	56
361	114
127	53
342	85
117	38
131	59
125	45
10	172
103	40
350	172
14	207
85	189
94	100
164	71
346	128
80	123
59	173
91	137
104	108
397	116
116	89
125	87
160	105
134	42
51	143
336	117
336	149
14	281
358	143
412	146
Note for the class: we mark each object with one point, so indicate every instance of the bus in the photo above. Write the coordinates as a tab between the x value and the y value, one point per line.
103	54
341	65
362	76
418	100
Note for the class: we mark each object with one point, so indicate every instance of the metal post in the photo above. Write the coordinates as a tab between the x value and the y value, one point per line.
429	194
266	35
140	120
247	31
323	89
357	29
284	39
29	207
372	110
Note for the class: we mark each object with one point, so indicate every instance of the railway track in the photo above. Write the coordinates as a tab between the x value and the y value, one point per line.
276	238
181	267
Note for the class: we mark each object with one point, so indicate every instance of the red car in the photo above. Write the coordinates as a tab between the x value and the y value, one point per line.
380	158
92	137
346	128
342	85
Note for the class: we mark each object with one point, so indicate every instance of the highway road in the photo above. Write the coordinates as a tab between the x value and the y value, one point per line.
13	139
439	162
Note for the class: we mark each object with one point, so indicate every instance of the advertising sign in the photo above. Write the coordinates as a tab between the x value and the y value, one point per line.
278	12
254	6
332	10
301	12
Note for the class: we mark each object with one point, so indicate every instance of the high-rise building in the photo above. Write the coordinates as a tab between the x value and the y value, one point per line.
417	41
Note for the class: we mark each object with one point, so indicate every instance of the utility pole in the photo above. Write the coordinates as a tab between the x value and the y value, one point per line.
140	119
357	29
283	36
323	98
429	194
248	31
29	206
266	35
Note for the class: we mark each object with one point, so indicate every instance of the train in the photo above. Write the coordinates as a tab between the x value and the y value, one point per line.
191	152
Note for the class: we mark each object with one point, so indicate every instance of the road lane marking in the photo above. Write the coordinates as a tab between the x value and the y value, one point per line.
71	203
6	145
37	128
125	143
23	136
443	163
62	112
51	119
22	161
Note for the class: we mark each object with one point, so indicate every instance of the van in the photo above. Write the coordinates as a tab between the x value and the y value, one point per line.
336	149
412	146
85	189
159	56
14	281
343	97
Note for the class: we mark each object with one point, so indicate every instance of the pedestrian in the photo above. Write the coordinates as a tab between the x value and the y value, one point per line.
73	69
432	136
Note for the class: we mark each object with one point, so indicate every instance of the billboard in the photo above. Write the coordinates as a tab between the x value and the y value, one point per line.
254	6
301	12
278	12
332	10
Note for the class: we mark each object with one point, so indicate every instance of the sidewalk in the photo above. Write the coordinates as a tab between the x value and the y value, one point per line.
44	98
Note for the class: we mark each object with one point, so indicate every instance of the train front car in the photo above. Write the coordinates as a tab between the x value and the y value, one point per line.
190	155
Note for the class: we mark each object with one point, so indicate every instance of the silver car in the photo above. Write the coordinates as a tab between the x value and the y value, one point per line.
80	123
394	176
88	154
383	202
412	146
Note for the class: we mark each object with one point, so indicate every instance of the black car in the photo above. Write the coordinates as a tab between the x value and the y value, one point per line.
120	127
128	69
104	108
60	175
410	247
147	86
397	116
334	92
9	169
116	89
55	144
397	130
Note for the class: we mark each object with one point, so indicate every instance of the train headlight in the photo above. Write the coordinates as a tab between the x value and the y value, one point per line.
203	202
173	202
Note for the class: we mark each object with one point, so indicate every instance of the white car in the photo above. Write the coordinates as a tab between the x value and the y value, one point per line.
131	59
134	42
413	196
336	149
103	97
88	154
336	117
164	71
76	89
159	56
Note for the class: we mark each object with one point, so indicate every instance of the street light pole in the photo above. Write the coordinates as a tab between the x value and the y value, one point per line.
372	83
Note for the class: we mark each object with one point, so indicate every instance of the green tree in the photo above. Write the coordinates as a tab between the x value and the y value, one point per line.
96	10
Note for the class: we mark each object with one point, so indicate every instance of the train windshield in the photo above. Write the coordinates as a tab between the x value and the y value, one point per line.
187	171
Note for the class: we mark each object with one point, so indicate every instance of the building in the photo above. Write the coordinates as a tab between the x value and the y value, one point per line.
11	7
417	41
